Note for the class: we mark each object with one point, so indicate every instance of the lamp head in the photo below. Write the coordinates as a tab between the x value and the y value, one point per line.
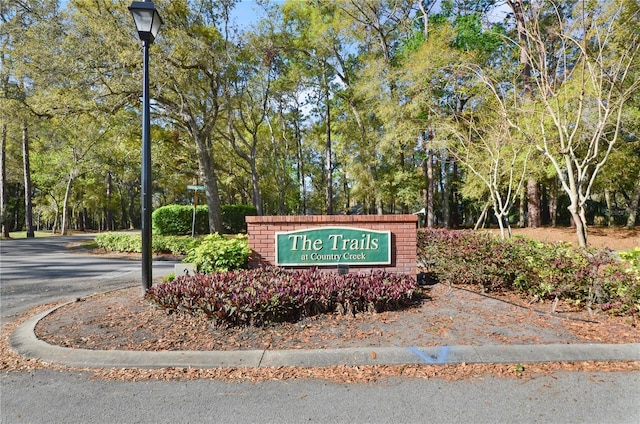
147	19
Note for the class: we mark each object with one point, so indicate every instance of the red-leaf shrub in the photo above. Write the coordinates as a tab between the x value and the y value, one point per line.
542	270
266	295
463	257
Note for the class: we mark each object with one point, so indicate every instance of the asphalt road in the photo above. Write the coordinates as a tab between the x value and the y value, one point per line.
40	271
55	397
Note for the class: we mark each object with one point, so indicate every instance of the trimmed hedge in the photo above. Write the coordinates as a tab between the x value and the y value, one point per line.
213	253
178	219
132	243
233	217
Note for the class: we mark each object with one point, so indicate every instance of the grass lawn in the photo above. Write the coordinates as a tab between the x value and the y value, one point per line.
38	234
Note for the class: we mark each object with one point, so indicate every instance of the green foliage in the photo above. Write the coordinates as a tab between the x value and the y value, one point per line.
178	220
390	78
464	257
120	242
176	245
470	35
233	217
263	296
541	270
217	253
132	243
633	257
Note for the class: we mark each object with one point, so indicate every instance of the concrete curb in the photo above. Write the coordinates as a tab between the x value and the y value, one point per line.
24	341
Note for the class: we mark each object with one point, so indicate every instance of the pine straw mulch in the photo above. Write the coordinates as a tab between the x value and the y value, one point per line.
448	316
614	238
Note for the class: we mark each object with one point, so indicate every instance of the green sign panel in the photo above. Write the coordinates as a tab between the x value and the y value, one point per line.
333	246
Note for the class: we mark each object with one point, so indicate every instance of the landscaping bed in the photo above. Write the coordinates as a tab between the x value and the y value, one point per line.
448	314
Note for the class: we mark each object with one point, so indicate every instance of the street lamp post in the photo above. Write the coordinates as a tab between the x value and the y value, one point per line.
148	23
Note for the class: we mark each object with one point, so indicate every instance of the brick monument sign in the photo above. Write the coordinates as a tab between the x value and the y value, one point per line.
346	243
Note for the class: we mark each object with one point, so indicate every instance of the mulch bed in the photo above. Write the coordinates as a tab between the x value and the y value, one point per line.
447	316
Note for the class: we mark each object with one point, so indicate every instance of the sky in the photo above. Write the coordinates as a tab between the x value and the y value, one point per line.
248	12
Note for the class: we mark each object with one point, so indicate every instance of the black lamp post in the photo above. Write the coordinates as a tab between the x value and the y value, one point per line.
148	23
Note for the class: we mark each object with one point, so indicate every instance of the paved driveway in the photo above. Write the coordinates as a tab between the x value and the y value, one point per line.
42	270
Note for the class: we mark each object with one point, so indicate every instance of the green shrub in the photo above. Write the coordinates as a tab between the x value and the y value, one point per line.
628	293
633	257
176	245
233	218
132	243
464	257
217	253
546	269
120	242
178	220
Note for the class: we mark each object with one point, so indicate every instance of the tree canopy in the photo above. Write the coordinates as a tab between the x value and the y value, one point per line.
454	107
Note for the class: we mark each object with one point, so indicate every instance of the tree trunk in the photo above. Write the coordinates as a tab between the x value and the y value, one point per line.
533	190
84	222
255	187
54	227
522	214
429	184
533	203
65	203
431	188
108	211
517	6
300	168
501	221
28	213
3	181
328	152
209	180
633	205
553	203
483	216
610	208
250	157
279	169
131	208
578	217
446	193
455	216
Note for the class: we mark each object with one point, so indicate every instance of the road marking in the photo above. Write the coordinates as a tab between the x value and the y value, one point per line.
430	359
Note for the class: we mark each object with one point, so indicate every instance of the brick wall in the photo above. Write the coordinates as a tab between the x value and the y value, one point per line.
261	231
